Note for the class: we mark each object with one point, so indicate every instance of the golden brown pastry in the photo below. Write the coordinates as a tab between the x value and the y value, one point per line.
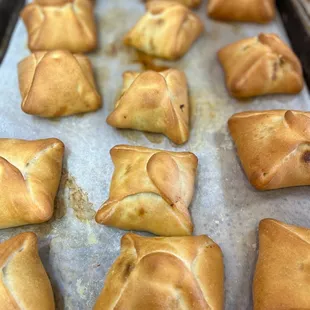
57	83
29	177
257	11
282	279
167	30
188	3
165	273
155	102
150	191
24	283
273	146
56	24
259	66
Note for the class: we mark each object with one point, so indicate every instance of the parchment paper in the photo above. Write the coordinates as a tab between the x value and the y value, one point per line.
75	250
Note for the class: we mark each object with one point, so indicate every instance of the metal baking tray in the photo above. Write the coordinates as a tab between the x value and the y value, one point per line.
76	251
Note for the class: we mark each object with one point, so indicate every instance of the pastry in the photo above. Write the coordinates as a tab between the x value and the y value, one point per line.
24	283
155	102
57	83
259	66
29	177
165	273
167	30
188	3
282	278
56	24
257	11
273	146
150	191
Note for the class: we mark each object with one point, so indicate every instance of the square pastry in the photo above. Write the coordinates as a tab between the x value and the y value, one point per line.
259	66
257	11
188	3
24	283
167	30
30	172
273	147
165	273
57	83
150	191
56	24
155	102
282	277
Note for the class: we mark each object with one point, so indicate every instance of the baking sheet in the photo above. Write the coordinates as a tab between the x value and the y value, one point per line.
76	251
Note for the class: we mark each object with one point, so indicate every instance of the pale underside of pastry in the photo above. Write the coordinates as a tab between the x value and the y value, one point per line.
24	283
261	65
30	172
282	278
273	147
165	273
188	3
155	102
257	11
57	83
56	24
167	30
150	191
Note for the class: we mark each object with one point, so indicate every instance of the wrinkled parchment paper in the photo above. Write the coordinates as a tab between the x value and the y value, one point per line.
76	251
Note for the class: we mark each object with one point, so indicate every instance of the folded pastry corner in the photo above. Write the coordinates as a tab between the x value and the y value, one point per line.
151	190
57	83
165	272
273	147
261	65
167	30
60	24
188	3
281	279
24	283
30	173
257	11
155	102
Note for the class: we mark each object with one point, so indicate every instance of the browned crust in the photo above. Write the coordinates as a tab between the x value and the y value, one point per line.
150	190
165	271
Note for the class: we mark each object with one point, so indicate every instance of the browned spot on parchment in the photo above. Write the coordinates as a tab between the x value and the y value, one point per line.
154	137
73	196
147	62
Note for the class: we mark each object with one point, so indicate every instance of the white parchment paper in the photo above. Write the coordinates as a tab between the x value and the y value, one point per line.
76	251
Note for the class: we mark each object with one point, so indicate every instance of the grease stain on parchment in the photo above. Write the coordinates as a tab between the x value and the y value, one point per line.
136	136
81	289
73	196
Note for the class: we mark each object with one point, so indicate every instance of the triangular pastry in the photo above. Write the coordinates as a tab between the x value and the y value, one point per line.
24	283
273	147
188	3
150	191
167	30
165	273
155	102
257	11
57	83
30	172
56	24
282	277
261	65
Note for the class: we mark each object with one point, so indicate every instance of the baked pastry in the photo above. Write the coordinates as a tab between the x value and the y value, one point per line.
150	191
29	177
261	65
56	24
257	11
167	30
281	278
165	273
273	146
24	283
155	102
57	83
188	3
